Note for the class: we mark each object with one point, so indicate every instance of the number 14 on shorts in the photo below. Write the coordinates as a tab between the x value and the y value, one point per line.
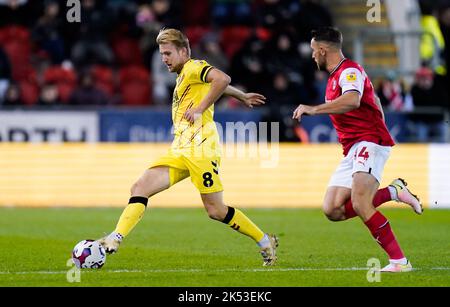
362	154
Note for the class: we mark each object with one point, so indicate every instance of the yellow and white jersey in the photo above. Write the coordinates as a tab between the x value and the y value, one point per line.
191	87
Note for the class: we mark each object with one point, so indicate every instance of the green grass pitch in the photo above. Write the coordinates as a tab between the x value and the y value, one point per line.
184	248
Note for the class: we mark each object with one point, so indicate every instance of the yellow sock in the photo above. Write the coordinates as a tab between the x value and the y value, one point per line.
240	222
131	215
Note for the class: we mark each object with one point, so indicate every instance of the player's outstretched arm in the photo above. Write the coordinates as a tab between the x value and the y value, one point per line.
249	99
345	103
219	82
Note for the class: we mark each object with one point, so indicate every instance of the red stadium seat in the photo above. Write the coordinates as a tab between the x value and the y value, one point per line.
195	34
29	86
196	12
133	73
127	51
29	92
16	33
104	79
19	55
135	94
65	79
232	39
135	86
15	40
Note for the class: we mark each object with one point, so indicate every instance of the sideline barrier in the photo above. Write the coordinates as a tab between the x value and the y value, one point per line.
101	175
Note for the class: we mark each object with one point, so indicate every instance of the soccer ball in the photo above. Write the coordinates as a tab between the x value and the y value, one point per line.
88	254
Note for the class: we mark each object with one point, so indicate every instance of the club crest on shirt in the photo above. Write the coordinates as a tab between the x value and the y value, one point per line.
351	77
180	79
333	85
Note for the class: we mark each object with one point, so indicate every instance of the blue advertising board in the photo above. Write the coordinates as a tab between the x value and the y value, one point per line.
320	129
156	125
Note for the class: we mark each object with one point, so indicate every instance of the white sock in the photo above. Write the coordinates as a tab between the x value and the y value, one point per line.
116	236
399	261
264	241
393	192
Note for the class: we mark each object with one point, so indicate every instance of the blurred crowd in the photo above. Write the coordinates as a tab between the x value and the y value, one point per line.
111	57
427	98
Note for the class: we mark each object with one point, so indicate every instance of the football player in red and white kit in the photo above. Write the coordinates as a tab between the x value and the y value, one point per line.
358	118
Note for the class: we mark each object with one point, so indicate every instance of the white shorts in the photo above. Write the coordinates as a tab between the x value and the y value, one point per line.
364	157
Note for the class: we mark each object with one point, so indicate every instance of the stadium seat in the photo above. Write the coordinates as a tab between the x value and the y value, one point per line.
65	79
14	32
135	94
195	34
29	86
196	13
232	39
15	40
104	79
127	51
135	85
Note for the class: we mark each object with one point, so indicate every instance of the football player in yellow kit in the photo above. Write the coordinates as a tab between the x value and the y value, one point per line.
195	151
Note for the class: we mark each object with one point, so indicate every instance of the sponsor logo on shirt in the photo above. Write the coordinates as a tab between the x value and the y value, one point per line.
351	77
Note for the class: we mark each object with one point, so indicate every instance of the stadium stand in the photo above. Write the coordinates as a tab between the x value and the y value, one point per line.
115	41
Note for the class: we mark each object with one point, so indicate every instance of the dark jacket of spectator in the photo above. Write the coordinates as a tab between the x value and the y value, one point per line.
87	93
426	92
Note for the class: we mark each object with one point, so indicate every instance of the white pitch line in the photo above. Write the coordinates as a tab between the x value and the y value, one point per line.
209	270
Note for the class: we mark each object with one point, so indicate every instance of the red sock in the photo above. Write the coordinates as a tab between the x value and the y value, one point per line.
382	232
382	196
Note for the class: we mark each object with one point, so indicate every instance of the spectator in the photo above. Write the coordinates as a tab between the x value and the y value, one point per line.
444	19
277	14
5	73
151	18
391	92
19	12
87	93
320	85
146	21
49	96
282	97
281	53
282	92
238	12
163	80
91	46
248	66
210	50
47	32
13	96
312	15
432	43
427	93
167	13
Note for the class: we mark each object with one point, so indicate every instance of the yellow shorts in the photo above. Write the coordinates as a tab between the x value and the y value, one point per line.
204	173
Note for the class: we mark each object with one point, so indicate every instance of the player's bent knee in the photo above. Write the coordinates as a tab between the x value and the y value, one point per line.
216	211
139	188
332	214
215	214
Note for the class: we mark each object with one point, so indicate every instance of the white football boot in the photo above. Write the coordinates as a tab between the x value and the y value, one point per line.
405	196
269	253
111	242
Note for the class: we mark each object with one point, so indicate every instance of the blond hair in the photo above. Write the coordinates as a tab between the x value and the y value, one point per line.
175	37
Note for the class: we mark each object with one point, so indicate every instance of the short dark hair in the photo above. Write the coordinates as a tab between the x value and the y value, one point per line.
329	35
